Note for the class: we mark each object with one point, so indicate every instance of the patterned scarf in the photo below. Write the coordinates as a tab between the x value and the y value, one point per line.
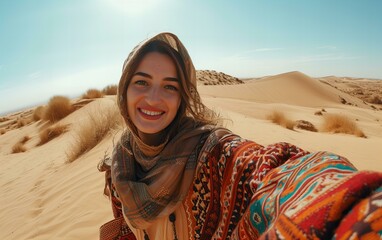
151	187
152	180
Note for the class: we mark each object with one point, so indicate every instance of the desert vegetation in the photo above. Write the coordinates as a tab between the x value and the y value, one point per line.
93	93
279	118
38	113
52	132
58	107
333	123
21	122
25	139
110	90
2	131
98	124
337	123
19	146
375	99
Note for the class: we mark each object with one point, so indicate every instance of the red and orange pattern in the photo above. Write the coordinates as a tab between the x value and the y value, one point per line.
243	190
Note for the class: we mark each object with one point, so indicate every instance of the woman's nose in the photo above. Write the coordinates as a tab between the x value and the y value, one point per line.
153	95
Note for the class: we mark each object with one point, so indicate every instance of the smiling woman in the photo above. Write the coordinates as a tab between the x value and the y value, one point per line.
152	95
176	174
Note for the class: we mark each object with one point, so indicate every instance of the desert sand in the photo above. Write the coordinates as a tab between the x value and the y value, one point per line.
46	197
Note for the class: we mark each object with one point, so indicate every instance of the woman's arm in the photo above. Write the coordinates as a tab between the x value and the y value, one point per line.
228	173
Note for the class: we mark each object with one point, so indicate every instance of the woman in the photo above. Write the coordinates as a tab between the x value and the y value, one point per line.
175	174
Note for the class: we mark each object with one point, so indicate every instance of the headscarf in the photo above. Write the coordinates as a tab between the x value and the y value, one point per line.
188	72
151	180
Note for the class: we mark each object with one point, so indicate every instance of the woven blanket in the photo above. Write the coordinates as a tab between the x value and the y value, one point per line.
317	196
243	190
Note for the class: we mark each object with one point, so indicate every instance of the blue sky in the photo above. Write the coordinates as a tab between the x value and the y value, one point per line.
52	48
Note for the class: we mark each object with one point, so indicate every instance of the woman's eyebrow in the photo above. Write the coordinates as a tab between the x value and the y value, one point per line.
172	79
143	74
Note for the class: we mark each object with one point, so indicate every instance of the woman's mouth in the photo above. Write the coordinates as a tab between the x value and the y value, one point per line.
150	114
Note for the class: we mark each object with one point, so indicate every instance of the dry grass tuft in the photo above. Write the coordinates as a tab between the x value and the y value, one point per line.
21	123
337	123
110	90
280	119
18	147
92	93
38	113
57	108
98	125
51	133
25	139
375	99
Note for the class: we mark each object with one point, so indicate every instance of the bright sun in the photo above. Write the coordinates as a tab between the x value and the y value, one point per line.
134	7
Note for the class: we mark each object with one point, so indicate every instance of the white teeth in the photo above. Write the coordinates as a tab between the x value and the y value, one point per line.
151	113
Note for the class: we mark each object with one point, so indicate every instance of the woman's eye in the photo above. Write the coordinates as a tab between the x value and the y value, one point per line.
171	87
141	82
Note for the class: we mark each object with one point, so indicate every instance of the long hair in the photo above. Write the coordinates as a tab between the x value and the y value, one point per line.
191	104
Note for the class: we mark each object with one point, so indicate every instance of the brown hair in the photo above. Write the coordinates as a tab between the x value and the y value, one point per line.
191	104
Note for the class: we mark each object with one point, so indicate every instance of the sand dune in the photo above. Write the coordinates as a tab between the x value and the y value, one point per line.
44	197
290	88
368	90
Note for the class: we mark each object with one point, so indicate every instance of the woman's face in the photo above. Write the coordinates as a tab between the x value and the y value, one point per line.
153	96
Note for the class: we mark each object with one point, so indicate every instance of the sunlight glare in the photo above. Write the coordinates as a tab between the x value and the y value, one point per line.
134	7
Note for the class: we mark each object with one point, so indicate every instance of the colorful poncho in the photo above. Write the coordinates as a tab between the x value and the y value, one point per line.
242	190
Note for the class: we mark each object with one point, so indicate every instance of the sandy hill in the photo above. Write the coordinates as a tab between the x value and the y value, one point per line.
368	90
290	88
210	77
45	197
48	198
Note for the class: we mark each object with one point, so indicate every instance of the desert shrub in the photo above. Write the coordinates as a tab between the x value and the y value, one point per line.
18	147
21	123
280	119
57	108
99	123
303	124
24	139
2	131
38	113
375	99
337	123
52	132
110	90
92	93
